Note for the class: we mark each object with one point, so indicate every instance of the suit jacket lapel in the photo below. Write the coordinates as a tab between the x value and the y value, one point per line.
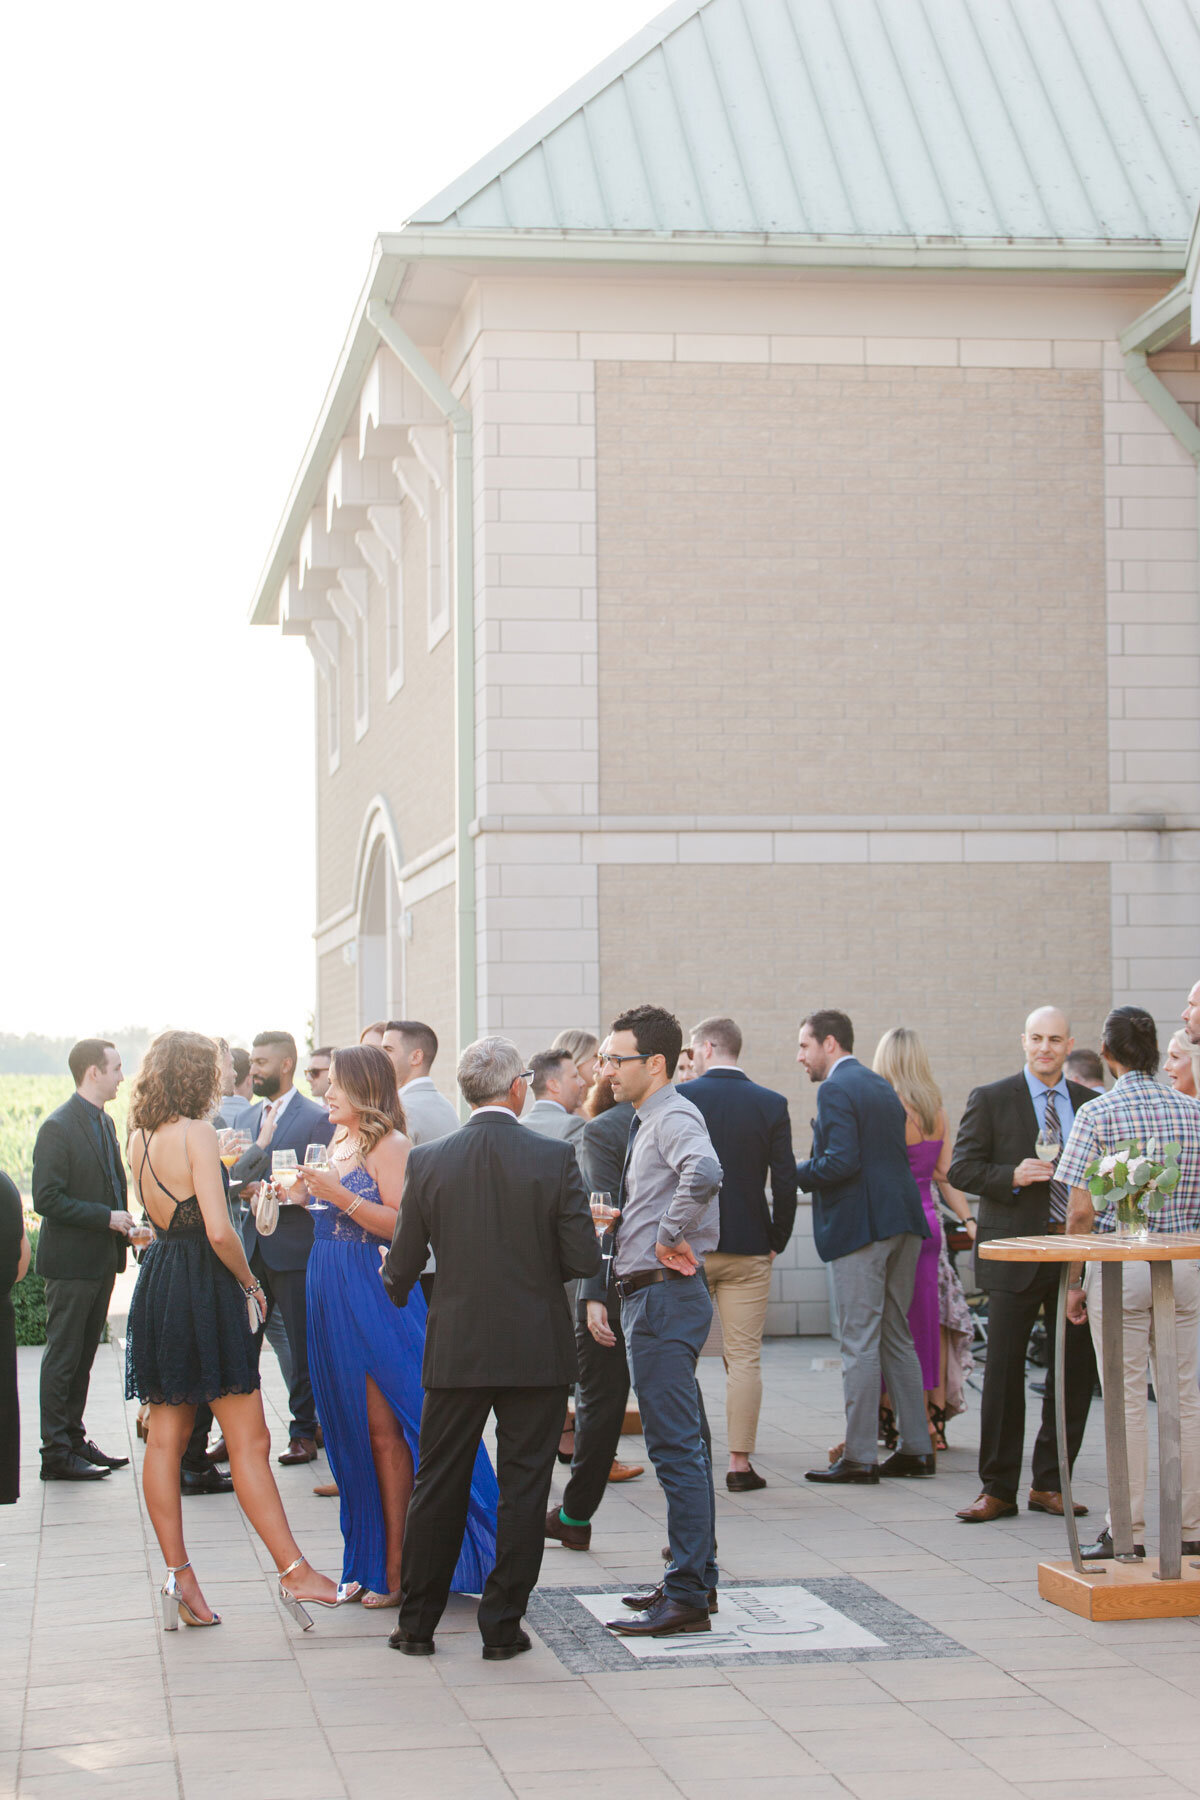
84	1125
1026	1109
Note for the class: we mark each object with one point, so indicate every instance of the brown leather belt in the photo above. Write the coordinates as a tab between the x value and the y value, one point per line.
629	1284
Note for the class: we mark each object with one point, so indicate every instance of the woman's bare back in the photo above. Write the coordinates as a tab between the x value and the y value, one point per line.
171	1166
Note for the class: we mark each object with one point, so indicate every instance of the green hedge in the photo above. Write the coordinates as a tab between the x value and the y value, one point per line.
29	1297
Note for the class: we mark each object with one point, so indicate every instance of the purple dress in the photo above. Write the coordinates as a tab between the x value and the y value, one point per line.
924	1315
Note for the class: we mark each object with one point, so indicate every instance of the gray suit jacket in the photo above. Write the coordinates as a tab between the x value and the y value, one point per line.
428	1114
548	1119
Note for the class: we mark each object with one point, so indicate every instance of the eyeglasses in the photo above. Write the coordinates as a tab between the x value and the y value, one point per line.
317	1069
525	1075
616	1061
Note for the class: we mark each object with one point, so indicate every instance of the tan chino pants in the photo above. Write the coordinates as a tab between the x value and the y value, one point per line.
739	1286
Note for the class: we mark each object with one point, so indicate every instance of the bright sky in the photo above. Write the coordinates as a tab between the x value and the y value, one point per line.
191	201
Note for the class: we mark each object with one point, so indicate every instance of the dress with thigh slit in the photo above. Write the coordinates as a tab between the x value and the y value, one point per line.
354	1332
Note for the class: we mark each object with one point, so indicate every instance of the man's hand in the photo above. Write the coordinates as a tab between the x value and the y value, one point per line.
122	1222
598	1325
678	1257
1076	1306
1031	1170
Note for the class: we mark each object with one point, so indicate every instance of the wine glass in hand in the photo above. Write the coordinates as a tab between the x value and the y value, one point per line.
317	1157
604	1213
1047	1148
284	1171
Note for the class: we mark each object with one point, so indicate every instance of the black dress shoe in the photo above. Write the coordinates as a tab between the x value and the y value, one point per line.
211	1481
743	1481
643	1602
1102	1549
901	1463
843	1470
72	1468
666	1618
505	1652
91	1454
408	1645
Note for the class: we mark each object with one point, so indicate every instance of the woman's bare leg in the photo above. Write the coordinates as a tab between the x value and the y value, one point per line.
171	1427
394	1473
248	1441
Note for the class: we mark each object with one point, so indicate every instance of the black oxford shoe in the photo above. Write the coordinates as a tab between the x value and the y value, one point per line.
744	1481
643	1602
901	1463
211	1481
666	1618
844	1471
91	1454
505	1652
72	1468
1102	1549
408	1645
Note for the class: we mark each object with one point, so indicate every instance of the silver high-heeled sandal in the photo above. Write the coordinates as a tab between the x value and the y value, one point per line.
296	1607
173	1604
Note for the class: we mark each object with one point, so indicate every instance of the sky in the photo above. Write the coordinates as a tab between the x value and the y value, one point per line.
190	201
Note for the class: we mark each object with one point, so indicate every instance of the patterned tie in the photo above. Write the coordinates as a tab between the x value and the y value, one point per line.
1058	1189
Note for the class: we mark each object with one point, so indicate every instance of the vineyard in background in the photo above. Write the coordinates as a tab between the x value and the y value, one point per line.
24	1102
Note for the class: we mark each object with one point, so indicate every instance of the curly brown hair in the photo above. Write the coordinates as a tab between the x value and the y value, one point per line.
366	1077
179	1078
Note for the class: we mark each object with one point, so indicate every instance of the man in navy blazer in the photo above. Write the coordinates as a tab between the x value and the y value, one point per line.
285	1120
868	1223
752	1136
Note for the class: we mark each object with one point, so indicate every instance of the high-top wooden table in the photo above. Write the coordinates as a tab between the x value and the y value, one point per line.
1125	1586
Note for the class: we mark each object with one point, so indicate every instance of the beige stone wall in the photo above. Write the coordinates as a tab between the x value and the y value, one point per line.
959	952
431	976
336	1003
407	751
895	561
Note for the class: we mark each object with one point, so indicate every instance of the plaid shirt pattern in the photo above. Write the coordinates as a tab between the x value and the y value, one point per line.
1139	1107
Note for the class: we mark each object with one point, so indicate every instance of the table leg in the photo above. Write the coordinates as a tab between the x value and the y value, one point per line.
1060	1417
1112	1353
1166	1389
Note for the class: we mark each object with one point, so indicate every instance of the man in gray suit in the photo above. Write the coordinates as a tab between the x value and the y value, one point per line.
558	1090
412	1047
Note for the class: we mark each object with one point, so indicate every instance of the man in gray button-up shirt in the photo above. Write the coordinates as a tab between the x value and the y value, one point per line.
669	1218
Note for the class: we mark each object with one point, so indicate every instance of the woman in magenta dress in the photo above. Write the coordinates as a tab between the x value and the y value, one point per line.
900	1058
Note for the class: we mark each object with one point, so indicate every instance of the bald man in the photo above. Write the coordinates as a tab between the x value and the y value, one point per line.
995	1157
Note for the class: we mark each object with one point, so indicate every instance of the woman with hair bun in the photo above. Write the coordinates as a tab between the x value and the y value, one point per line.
364	1354
189	1340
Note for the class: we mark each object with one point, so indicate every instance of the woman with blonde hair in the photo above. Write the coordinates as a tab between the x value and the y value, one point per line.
938	1317
190	1340
1181	1065
583	1048
364	1354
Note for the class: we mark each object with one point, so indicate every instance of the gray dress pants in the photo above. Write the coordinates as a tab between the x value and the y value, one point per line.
874	1289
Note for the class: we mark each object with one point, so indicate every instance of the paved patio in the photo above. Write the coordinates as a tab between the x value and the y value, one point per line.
988	1694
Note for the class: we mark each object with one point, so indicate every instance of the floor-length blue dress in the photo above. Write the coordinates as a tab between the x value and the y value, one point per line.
355	1331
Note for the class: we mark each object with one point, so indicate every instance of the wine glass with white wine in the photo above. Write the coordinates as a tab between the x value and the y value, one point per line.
1047	1148
284	1172
316	1156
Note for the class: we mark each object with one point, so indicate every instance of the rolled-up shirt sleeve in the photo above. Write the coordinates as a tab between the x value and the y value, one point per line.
685	1145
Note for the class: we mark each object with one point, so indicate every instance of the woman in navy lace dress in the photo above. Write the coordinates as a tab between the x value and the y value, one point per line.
189	1339
364	1354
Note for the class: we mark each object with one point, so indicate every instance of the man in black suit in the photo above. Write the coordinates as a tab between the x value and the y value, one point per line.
868	1222
752	1136
995	1157
285	1120
507	1215
80	1192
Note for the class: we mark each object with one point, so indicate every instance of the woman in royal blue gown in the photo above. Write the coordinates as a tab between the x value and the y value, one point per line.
364	1354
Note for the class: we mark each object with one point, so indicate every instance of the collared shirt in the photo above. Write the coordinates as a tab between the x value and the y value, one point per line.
277	1107
506	1110
1138	1107
232	1106
1062	1100
837	1062
672	1180
106	1134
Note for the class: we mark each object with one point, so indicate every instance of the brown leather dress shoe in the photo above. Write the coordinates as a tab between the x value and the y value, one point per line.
571	1537
218	1453
987	1508
299	1450
328	1490
1047	1501
626	1471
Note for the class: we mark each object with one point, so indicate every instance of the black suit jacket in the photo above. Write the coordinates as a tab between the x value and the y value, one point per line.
862	1186
74	1195
601	1149
303	1123
998	1130
506	1212
752	1136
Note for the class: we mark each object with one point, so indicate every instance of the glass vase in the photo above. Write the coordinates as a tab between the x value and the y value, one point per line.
1131	1222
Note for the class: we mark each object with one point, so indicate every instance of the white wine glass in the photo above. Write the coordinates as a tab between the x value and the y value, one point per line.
317	1157
604	1213
1047	1148
284	1171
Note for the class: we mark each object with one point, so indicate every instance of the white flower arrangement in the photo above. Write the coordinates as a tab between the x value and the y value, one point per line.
1137	1181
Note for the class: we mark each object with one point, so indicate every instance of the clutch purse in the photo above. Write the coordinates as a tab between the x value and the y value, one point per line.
266	1218
252	1318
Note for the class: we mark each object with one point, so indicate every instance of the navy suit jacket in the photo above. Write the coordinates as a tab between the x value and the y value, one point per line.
303	1123
752	1136
859	1177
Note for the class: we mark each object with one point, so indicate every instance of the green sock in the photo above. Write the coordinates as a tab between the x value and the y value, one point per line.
563	1519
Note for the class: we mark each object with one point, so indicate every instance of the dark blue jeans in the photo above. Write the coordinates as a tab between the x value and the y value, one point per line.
665	1327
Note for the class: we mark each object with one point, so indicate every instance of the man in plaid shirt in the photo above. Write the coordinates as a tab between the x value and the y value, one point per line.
1138	1108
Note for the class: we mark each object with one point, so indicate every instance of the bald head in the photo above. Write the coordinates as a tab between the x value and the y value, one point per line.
1047	1043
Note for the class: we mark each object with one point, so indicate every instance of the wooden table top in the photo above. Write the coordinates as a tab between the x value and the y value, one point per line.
1094	1247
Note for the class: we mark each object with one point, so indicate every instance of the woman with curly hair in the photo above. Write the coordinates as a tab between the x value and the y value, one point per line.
364	1355
189	1338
